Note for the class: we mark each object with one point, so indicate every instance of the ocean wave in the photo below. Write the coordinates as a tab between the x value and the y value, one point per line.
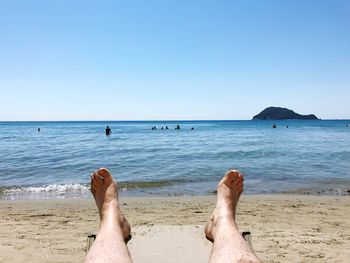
83	187
51	188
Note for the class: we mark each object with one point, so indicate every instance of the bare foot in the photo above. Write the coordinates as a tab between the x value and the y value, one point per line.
104	189
229	190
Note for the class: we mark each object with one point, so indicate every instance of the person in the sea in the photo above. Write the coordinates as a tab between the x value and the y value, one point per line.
274	126
38	129
111	241
166	127
108	131
177	127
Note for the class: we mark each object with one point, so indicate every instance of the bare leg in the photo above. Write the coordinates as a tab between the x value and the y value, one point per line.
109	245
228	244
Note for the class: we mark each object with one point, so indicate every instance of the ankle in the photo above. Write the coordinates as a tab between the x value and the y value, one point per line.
109	210
225	221
225	209
223	225
110	205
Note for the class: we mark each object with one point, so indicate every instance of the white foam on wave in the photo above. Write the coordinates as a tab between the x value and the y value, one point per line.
51	188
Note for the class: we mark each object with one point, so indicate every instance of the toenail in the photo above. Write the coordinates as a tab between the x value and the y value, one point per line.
101	170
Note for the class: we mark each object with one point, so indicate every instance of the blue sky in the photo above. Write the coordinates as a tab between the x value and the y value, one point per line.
144	60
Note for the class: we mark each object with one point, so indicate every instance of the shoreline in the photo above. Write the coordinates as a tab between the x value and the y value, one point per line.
285	228
173	188
133	194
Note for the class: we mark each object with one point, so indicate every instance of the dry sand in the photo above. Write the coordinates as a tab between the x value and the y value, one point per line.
285	228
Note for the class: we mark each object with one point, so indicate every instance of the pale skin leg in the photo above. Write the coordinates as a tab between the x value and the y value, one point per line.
228	244
109	245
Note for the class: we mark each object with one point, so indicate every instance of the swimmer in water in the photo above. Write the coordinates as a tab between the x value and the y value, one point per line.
108	131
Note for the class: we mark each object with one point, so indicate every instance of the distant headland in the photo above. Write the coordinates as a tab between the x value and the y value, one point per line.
278	113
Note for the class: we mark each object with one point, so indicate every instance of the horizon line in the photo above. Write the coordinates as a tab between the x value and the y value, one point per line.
164	120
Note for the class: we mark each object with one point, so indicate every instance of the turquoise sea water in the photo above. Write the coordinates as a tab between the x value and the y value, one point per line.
308	157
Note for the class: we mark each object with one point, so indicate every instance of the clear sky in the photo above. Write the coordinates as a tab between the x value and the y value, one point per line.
181	59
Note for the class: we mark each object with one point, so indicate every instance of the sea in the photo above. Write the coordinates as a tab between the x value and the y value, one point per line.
297	157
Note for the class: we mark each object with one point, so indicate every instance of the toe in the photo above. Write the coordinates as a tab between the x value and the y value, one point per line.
235	179
103	171
230	177
97	178
105	175
92	178
232	173
238	181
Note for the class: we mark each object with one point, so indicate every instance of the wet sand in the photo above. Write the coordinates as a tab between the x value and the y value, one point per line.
285	228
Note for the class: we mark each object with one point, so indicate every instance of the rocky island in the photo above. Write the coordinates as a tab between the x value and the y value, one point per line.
278	113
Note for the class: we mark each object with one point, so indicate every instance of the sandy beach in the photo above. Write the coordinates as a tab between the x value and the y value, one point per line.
285	228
